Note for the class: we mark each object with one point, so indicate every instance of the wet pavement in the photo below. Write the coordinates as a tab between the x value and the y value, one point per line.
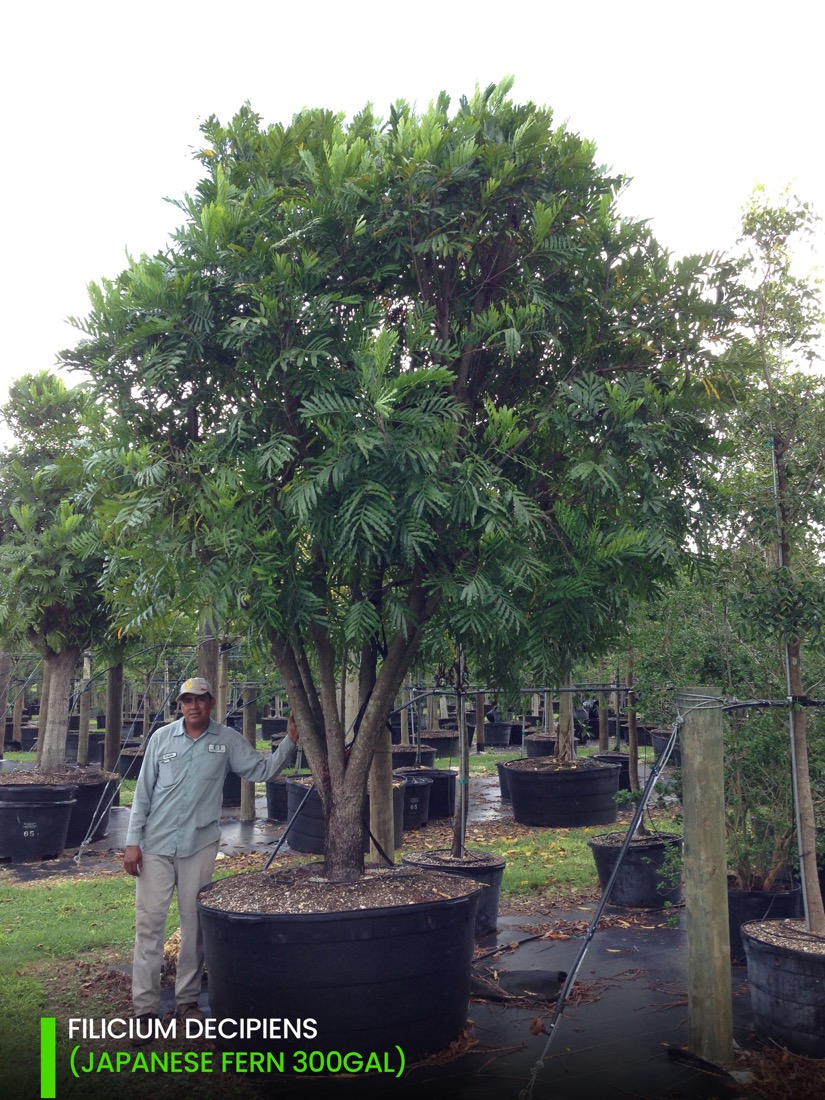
626	1019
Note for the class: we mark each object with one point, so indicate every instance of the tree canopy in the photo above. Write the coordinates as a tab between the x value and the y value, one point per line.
394	375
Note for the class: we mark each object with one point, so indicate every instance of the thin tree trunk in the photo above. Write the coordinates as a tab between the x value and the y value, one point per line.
565	749
114	716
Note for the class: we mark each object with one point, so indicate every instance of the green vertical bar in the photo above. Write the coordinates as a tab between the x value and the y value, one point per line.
48	1053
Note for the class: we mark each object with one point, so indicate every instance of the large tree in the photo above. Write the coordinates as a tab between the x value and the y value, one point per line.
372	383
50	572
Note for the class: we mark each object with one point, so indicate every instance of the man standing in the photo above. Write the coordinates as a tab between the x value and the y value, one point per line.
173	836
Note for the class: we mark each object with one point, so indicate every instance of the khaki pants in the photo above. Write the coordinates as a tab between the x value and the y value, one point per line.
159	876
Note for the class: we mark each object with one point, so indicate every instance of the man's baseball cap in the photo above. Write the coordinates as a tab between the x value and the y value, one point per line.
195	685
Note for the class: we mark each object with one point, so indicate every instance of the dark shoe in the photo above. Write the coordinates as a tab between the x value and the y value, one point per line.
144	1029
189	1012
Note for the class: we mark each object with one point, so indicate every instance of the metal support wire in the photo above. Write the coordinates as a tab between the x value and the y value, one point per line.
527	1092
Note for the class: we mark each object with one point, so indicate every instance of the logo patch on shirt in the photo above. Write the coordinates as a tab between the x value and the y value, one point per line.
217	748
167	756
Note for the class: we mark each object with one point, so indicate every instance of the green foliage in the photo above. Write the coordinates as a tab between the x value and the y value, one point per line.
50	565
402	376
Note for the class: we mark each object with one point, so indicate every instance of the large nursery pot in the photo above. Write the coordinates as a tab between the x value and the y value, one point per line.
445	742
442	797
620	758
504	779
659	740
539	744
561	795
93	802
786	974
650	873
404	756
372	979
481	867
306	834
759	905
34	820
276	800
497	733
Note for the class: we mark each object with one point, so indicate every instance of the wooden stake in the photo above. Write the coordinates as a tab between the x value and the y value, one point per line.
710	1013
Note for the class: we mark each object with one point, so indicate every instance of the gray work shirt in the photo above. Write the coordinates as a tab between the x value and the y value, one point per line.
179	791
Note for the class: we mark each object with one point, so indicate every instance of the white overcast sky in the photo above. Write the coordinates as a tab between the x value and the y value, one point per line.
697	101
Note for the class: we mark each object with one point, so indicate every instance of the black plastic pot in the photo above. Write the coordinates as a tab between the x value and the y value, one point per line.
445	742
538	744
307	831
497	733
28	738
787	991
36	792
416	801
404	756
231	790
443	791
563	798
270	726
93	803
624	764
276	801
753	905
96	741
503	779
129	763
483	868
371	978
659	739
645	880
36	829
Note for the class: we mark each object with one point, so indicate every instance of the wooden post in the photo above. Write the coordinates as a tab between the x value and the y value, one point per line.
85	706
710	1013
249	732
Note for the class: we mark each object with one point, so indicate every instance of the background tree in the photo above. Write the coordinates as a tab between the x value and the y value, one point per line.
377	374
49	580
779	490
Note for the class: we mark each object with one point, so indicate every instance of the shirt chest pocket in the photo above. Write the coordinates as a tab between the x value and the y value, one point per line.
212	766
169	771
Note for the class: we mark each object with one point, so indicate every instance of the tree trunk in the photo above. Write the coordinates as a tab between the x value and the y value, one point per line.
632	736
565	749
5	681
114	716
815	913
249	730
43	715
85	704
61	672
